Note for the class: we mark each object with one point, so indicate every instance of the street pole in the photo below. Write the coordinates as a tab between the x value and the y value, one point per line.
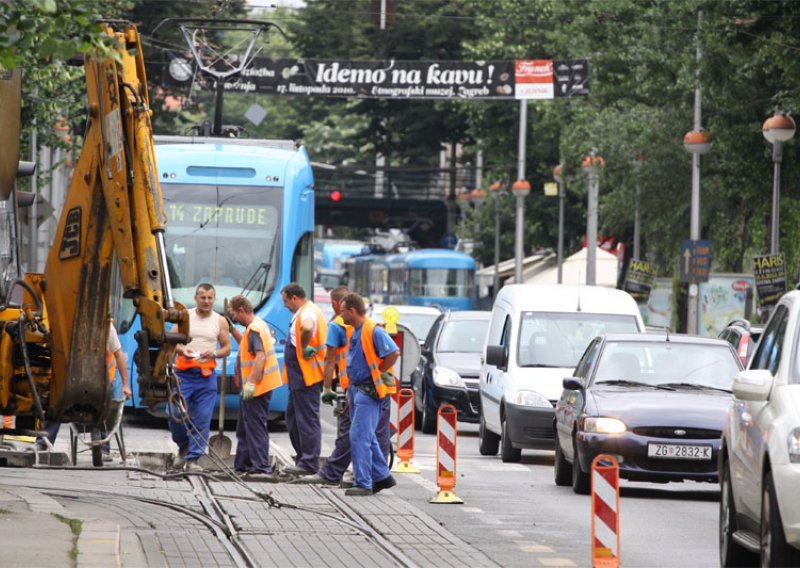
496	282
637	216
591	165
520	195
558	175
777	157
694	223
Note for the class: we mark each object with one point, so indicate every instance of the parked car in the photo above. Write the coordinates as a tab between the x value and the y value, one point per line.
536	336
744	336
419	319
759	462
448	368
657	402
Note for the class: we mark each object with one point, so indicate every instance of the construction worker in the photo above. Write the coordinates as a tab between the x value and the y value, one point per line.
339	334
370	357
120	389
303	371
258	371
195	367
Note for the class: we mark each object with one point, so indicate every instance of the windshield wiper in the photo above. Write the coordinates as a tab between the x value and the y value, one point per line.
258	285
694	386
542	366
634	384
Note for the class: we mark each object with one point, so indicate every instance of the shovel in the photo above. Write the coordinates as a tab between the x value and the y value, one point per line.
219	443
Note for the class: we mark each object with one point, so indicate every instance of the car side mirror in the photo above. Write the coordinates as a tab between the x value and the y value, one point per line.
496	356
754	385
573	383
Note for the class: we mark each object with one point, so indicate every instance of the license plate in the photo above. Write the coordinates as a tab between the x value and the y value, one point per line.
678	452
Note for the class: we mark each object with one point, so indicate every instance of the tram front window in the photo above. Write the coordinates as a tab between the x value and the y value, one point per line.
441	282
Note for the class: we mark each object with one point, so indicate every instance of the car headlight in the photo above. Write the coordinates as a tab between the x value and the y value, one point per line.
603	425
531	398
444	377
794	445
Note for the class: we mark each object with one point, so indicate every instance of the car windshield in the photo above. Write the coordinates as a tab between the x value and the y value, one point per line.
668	364
557	339
463	336
419	324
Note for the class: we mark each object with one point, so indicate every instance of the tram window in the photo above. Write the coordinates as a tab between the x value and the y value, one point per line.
303	263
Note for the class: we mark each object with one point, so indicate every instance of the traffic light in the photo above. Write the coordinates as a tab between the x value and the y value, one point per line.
336	196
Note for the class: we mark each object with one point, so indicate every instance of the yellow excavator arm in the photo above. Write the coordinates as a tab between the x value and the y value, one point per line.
113	209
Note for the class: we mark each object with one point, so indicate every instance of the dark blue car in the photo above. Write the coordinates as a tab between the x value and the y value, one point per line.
449	367
656	402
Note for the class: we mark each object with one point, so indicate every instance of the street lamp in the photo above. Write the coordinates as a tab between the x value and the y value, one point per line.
520	189
698	142
591	165
561	181
777	130
497	190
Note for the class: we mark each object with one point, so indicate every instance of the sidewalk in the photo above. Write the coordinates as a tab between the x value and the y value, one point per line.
127	518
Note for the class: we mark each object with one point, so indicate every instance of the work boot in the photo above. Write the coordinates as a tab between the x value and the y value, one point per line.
383	484
297	470
193	467
179	461
357	491
316	479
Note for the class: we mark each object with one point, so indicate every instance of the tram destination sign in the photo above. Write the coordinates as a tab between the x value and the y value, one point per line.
393	79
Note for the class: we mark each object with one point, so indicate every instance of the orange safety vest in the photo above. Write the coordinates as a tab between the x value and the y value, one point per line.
271	377
373	361
111	366
341	353
313	369
206	367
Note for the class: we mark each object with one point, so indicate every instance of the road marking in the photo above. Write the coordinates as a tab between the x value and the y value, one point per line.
471	509
509	534
491	521
535	548
555	562
424	483
504	467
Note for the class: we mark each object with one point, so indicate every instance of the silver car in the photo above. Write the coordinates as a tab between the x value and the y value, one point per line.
759	458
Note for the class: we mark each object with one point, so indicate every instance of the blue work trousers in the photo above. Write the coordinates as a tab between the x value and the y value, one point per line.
252	435
340	457
302	415
201	395
369	463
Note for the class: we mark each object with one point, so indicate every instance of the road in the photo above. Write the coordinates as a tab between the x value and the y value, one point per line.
517	516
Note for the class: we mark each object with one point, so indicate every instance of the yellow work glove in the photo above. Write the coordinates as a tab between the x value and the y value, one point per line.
387	378
309	352
328	396
249	391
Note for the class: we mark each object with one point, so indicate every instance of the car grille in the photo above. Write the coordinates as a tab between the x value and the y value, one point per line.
671	432
540	433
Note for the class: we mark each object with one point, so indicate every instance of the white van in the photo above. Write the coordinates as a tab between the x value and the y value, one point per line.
536	336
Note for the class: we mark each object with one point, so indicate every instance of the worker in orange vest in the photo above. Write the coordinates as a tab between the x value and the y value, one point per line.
195	367
303	371
370	359
258	371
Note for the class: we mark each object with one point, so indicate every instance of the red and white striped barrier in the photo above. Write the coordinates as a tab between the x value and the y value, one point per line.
446	445
405	433
605	512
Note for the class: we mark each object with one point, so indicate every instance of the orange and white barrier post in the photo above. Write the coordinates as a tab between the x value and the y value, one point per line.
446	443
605	512
405	433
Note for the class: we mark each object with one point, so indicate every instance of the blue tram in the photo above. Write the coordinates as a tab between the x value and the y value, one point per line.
432	277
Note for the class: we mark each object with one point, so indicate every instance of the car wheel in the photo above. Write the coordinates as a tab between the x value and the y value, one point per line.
562	472
730	553
508	453
580	479
428	416
775	551
488	442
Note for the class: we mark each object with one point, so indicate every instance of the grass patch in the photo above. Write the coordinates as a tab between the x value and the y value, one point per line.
4	510
75	525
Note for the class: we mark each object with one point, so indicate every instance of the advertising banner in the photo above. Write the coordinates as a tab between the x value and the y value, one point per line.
722	299
394	79
769	271
639	280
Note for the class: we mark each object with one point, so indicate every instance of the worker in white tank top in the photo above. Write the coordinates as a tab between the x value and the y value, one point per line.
195	365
